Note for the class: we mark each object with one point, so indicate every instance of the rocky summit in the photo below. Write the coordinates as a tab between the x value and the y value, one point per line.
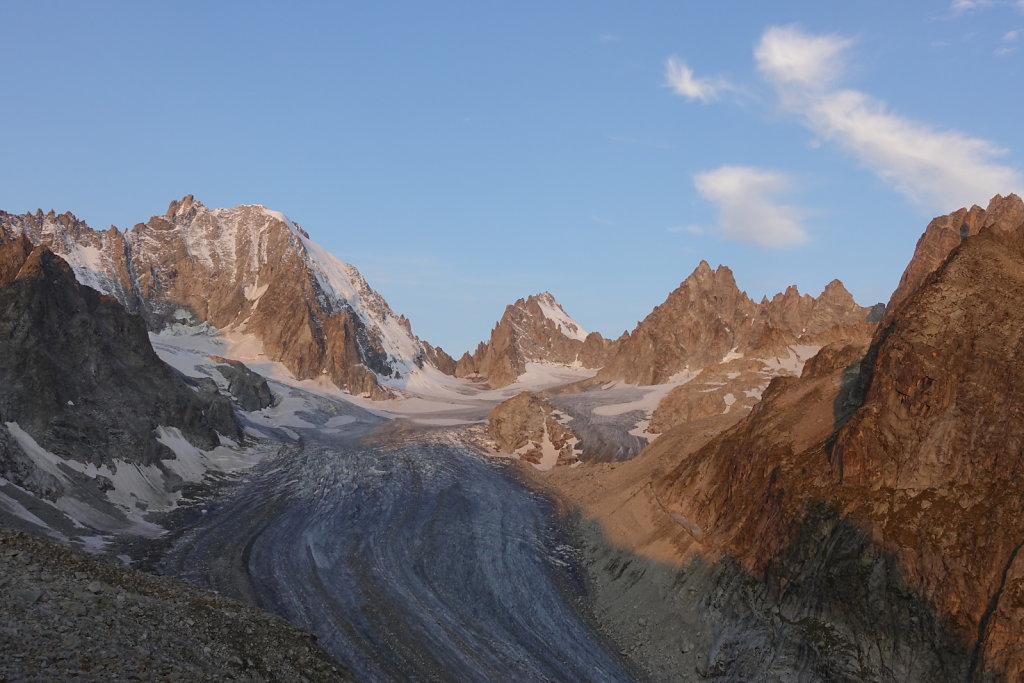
533	330
707	320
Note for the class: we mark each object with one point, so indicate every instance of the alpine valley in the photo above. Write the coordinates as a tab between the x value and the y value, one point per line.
224	456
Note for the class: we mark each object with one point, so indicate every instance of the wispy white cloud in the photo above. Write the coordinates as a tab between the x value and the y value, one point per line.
938	169
1003	51
788	56
680	78
961	6
748	207
1011	36
692	229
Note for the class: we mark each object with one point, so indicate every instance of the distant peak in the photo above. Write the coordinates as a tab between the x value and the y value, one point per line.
553	311
181	206
546	297
836	291
704	276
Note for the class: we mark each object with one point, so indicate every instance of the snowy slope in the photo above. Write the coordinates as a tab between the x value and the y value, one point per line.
554	312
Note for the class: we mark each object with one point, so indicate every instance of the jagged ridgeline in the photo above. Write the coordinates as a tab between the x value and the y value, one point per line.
252	273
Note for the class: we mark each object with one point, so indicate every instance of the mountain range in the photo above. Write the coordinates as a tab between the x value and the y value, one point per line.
794	488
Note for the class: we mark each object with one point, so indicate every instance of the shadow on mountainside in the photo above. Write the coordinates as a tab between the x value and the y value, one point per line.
832	606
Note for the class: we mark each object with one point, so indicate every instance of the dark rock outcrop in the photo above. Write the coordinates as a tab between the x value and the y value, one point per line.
78	374
249	388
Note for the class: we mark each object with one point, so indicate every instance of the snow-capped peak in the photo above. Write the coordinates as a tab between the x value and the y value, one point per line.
554	312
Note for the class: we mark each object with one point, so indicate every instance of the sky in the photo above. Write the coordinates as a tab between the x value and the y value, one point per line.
465	154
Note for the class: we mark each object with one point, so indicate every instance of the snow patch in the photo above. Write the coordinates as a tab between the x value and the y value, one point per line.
254	292
554	312
794	361
732	355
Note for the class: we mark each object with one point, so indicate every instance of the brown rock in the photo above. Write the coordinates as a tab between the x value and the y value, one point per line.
248	270
919	446
944	233
730	388
535	329
527	425
708	319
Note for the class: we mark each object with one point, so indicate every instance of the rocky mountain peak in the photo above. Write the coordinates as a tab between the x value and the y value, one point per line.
548	308
532	330
708	318
252	272
705	278
835	291
945	233
182	206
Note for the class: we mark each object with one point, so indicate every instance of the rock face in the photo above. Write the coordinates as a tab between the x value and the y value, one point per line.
731	387
78	375
249	271
944	233
708	320
535	329
911	455
528	426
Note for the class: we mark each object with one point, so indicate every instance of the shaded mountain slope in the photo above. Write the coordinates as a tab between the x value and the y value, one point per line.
78	374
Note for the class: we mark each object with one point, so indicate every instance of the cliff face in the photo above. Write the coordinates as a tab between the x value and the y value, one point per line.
944	233
250	271
536	329
708	320
916	446
78	375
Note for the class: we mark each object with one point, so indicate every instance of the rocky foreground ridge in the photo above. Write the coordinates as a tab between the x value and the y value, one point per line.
249	271
68	615
878	495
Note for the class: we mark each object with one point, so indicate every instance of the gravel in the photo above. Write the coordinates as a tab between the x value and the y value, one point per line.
65	615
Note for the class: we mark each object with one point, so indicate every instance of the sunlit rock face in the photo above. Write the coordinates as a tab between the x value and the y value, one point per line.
535	329
916	447
708	320
251	272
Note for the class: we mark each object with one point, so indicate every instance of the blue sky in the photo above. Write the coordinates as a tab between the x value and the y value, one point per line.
465	154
